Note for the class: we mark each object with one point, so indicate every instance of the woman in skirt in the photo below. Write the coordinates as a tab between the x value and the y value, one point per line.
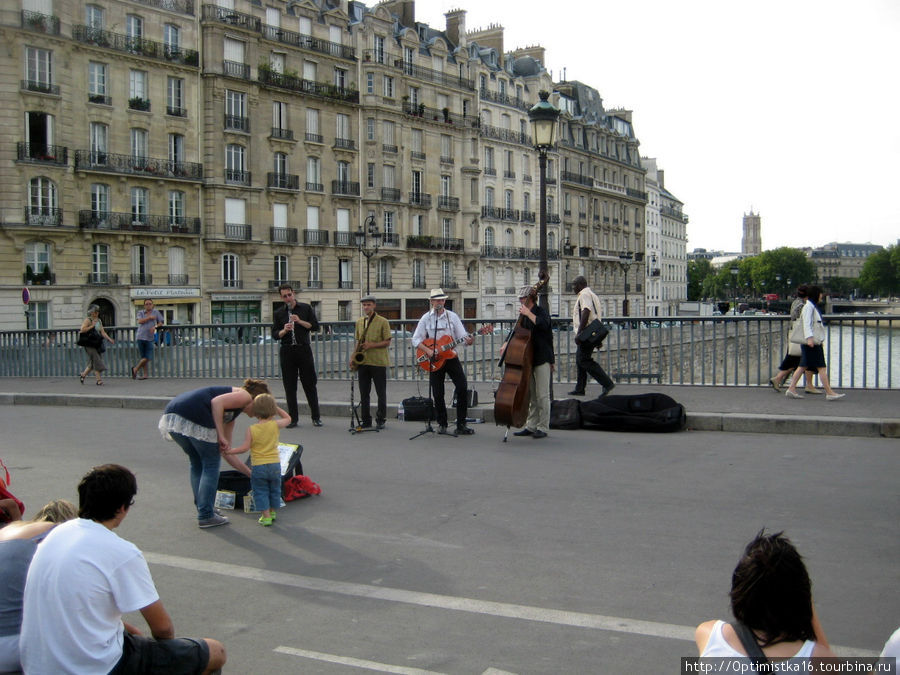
812	356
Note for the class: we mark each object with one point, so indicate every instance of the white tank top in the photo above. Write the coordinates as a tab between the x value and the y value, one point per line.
717	645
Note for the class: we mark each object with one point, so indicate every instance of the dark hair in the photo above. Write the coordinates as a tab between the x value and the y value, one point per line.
285	287
771	592
104	490
814	293
255	387
802	290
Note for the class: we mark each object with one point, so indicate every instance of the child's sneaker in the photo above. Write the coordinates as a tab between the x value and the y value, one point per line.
265	521
274	516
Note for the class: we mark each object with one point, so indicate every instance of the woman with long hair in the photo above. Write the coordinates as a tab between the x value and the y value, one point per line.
812	355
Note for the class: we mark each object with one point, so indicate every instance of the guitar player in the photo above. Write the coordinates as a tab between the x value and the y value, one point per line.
434	325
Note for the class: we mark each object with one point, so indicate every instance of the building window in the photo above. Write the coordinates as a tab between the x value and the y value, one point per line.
281	269
37	316
99	201
280	118
418	273
97	81
314	280
312	125
137	84
42	206
176	150
94	17
389	233
447	273
447	228
37	258
175	96
370	175
387	86
176	207
100	263
172	38
345	273
139	209
140	265
340	78
489	237
383	277
314	174
370	128
379	49
342	130
139	144
230	271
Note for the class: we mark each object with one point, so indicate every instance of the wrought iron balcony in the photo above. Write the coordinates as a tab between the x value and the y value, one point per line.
313	138
283	181
138	103
100	99
176	111
413	154
108	220
390	194
178	279
135	45
40	87
232	283
293	283
345	144
238	231
490	290
572	177
418	283
384	283
442	116
308	42
315	187
141	279
343	187
237	123
345	284
43	278
390	239
490	171
283	235
102	279
429	243
87	160
430	75
527	216
43	216
448	203
509	174
235	69
422	199
511	252
237	177
282	134
40	23
446	160
387	147
314	283
38	152
449	283
181	6
506	135
503	99
344	239
637	194
321	89
315	237
230	17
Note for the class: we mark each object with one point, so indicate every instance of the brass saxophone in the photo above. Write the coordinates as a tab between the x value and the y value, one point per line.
358	355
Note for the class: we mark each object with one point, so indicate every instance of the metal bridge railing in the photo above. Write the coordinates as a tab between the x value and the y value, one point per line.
861	351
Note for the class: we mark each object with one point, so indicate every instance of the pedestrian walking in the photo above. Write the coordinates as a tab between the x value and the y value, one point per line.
586	309
149	320
91	337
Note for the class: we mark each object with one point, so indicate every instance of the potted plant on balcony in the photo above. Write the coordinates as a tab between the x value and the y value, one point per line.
35	22
29	275
446	113
265	71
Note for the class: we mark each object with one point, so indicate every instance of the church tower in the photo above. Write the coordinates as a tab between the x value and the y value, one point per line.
751	244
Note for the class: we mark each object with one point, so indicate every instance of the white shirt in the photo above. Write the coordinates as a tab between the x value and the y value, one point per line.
81	581
448	323
588	300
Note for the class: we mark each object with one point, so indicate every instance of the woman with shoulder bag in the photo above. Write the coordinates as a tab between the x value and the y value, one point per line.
792	358
91	337
812	355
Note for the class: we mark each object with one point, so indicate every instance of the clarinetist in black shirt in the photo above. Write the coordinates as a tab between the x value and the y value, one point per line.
292	325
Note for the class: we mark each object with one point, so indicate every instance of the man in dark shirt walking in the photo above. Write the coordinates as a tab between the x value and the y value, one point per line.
291	326
536	319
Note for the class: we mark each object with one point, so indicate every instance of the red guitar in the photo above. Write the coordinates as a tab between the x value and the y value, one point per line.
444	349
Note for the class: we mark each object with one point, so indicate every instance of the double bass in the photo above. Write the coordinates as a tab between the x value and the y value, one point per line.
512	397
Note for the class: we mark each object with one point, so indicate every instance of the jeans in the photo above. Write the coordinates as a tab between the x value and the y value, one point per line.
265	479
205	460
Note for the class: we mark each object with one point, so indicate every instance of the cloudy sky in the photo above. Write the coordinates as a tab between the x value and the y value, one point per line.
788	107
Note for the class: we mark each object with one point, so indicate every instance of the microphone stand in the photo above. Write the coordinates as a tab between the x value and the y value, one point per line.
431	360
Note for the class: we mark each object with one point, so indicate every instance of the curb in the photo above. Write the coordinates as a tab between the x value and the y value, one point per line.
696	421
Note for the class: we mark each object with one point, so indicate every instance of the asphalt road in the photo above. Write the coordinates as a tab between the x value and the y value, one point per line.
586	552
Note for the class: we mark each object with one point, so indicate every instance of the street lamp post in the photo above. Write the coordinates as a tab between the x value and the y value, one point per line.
362	242
734	275
626	261
778	288
543	118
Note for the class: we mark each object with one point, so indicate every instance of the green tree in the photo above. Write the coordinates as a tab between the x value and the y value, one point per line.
880	274
785	262
697	271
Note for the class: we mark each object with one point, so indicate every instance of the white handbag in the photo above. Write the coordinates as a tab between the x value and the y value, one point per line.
796	336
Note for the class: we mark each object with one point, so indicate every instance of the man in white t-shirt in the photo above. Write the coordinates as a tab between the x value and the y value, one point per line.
587	308
81	581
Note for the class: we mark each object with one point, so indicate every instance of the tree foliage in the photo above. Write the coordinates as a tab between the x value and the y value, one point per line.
780	271
697	271
880	274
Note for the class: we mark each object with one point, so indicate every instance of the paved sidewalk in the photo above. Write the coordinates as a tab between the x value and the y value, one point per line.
863	412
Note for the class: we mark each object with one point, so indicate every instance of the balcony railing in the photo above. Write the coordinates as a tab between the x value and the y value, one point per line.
238	231
430	75
384	283
490	171
506	135
237	177
446	160
102	279
283	181
38	152
387	147
422	199
345	284
88	160
128	222
308	42
43	216
282	134
237	123
141	279
235	69
414	154
45	278
321	89
178	279
283	235
442	116
343	187
40	23
315	187
176	111
448	203
503	99
390	239
419	282
275	283
313	138
100	99
138	103
230	17
527	216
135	45
232	283
344	239
390	194
345	144
511	252
637	194
40	87
429	243
449	283
315	237
572	177
181	6
314	283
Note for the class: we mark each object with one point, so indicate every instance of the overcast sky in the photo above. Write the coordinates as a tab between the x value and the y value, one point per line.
788	107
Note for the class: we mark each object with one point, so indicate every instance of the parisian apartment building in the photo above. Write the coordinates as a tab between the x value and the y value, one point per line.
202	154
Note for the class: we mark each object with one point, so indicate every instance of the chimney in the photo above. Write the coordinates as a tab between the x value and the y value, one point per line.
404	9
456	26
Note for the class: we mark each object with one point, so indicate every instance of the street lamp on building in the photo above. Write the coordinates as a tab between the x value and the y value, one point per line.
362	235
543	118
734	276
625	262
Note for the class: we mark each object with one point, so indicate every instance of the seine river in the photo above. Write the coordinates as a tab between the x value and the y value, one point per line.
864	357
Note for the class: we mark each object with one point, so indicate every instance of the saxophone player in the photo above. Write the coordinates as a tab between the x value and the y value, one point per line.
370	359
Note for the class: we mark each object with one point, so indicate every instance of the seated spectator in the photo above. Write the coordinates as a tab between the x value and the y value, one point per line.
83	578
771	594
18	542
